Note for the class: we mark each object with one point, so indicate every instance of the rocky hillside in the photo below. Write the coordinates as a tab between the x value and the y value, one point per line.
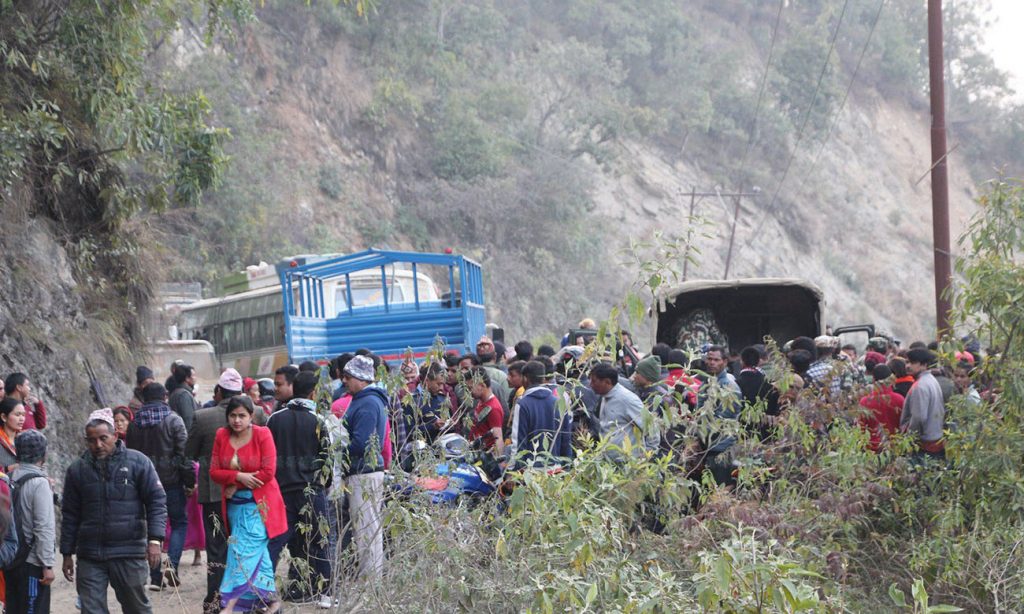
857	224
48	333
342	140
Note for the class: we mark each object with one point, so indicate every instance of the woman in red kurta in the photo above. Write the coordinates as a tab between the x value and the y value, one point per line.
244	462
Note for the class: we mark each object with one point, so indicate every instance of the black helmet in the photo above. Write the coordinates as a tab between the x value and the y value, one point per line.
267	387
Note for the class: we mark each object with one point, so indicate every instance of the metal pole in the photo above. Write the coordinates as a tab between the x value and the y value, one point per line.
732	235
689	231
940	179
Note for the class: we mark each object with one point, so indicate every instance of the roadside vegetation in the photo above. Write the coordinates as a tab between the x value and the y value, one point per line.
816	523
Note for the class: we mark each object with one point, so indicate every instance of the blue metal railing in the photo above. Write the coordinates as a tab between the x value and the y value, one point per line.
311	333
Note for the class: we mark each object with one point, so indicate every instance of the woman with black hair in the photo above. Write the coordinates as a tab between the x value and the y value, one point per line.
12	421
244	462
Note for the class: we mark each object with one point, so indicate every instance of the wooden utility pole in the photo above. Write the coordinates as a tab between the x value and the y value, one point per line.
689	232
940	178
735	221
695	199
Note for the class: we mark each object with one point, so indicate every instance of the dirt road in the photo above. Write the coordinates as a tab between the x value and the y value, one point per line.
186	599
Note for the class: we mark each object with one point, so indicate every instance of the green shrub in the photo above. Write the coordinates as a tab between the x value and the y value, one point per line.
465	148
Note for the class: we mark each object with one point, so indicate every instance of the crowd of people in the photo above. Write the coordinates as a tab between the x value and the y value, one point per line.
264	466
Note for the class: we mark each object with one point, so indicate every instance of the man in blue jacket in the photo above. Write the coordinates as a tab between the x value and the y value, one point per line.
159	433
114	520
541	434
364	475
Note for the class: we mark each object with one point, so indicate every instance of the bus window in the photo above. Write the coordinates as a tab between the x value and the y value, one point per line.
225	338
196	318
246	342
257	331
277	329
233	336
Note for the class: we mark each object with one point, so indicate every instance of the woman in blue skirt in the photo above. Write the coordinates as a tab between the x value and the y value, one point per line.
244	463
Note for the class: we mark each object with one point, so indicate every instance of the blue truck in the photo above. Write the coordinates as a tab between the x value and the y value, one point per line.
387	301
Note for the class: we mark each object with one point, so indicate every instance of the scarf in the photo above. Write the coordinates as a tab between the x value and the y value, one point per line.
5	440
151	414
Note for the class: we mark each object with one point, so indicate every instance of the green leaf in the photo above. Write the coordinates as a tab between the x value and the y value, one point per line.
919	593
591	595
779	599
897	595
635	307
723	574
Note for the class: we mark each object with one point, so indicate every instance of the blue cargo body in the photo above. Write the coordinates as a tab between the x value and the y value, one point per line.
388	329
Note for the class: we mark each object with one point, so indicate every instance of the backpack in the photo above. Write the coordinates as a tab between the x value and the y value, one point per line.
25	542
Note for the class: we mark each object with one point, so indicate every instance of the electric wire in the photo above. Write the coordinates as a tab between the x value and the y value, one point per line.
760	95
806	120
842	105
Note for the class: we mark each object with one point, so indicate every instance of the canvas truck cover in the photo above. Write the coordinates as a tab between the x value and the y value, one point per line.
737	313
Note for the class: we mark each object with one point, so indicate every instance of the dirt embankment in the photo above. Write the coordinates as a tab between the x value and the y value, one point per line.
857	222
46	333
853	216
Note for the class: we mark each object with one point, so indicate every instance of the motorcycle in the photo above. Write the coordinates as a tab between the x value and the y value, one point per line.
462	472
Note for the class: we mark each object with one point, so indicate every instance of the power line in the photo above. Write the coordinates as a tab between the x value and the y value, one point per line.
839	112
807	118
760	95
752	137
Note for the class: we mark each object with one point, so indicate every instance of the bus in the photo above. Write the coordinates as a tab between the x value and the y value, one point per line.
247	327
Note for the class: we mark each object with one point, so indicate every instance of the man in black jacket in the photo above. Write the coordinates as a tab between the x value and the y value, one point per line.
199	447
182	393
304	471
159	433
114	518
755	388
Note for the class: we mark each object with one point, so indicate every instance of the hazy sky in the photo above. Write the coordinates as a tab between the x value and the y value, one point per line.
1006	41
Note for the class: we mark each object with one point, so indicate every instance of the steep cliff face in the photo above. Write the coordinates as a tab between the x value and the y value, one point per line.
47	334
854	219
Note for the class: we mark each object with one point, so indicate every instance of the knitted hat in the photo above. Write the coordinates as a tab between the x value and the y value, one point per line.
826	341
248	383
409	369
30	446
650	368
142	374
106	414
230	380
361	368
965	357
873	358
